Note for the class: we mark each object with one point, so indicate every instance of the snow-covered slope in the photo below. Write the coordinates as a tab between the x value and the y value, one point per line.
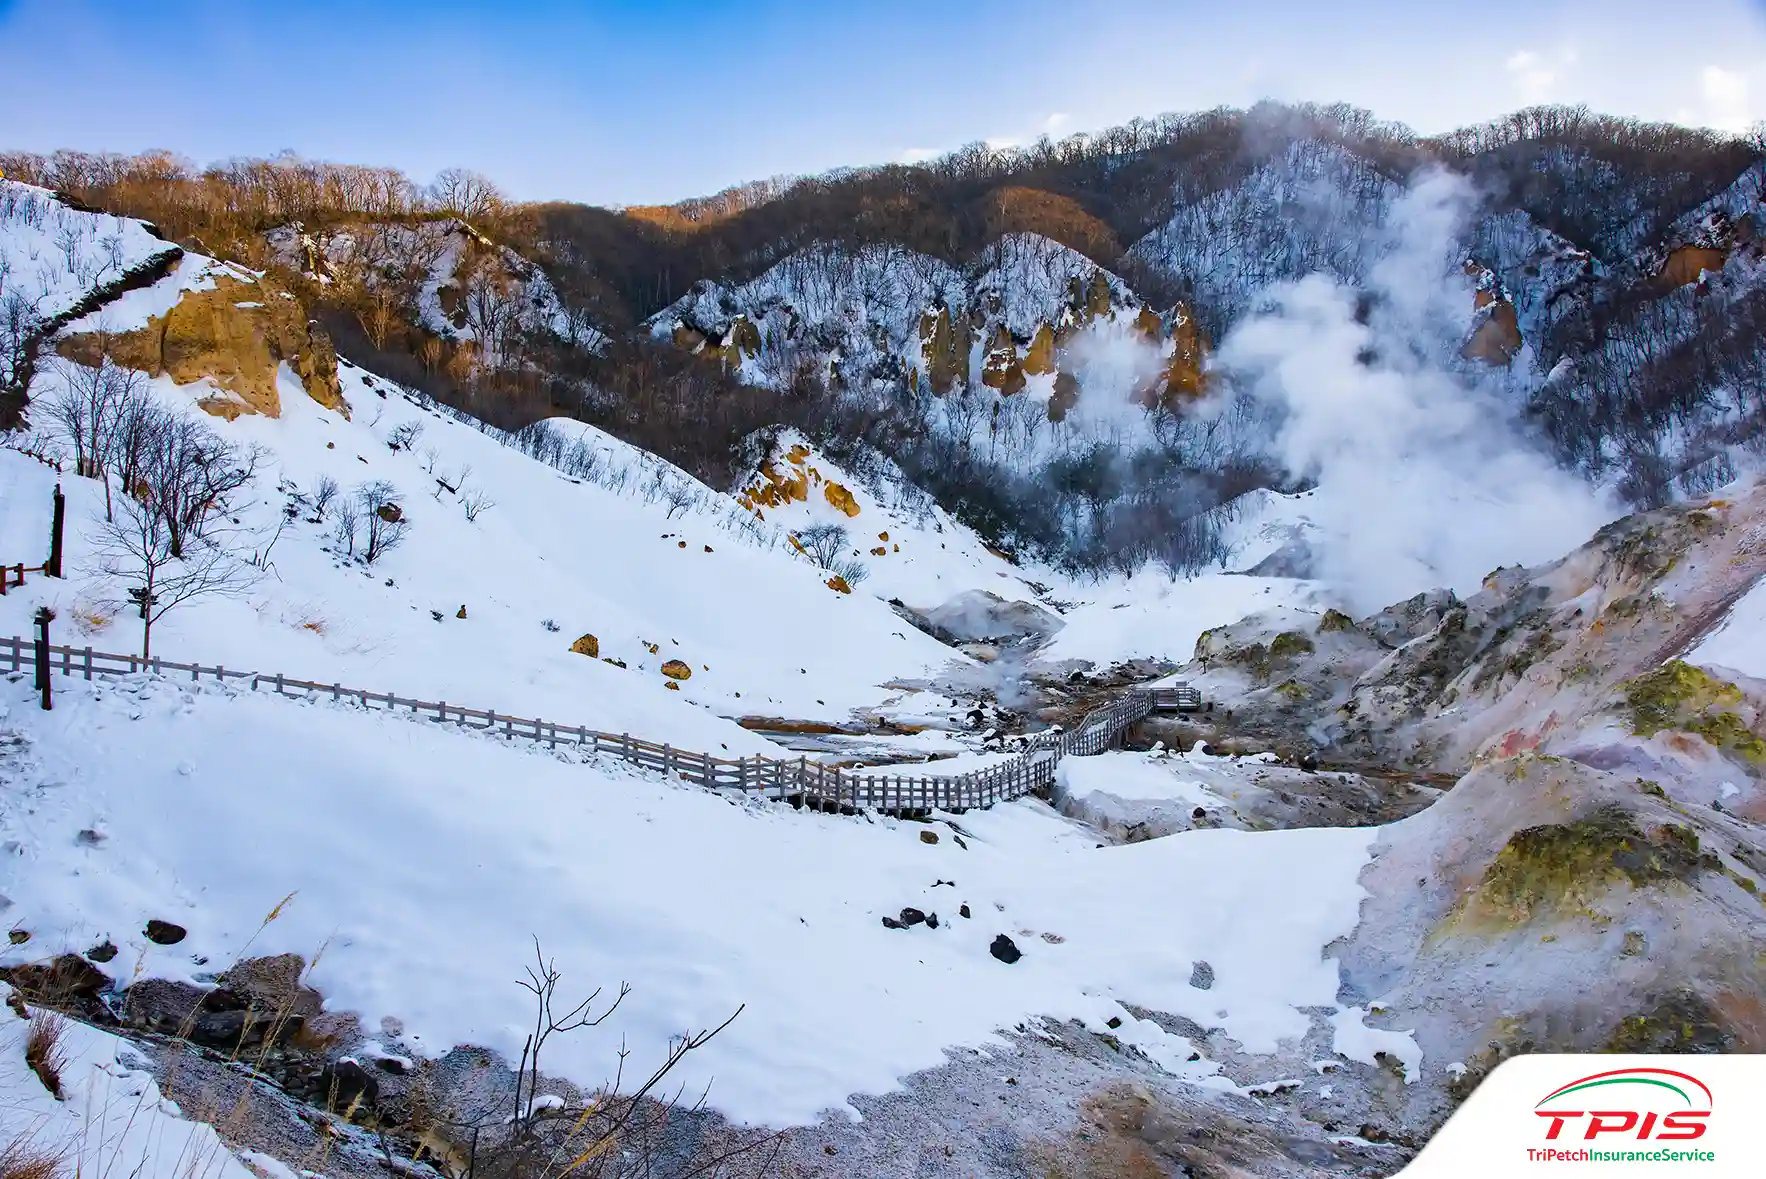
53	255
653	564
909	548
423	860
1314	208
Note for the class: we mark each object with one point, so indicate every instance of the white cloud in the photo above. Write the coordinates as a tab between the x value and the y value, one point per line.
918	155
1725	98
1538	77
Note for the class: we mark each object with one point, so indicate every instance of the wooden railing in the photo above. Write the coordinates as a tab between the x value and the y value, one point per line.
799	780
13	576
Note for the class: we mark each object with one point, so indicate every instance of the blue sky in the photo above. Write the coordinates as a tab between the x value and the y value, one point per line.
651	102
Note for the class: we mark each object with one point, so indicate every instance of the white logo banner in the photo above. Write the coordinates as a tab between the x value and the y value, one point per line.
1598	1115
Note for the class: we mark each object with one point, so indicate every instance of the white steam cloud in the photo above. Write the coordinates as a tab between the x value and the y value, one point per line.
1424	477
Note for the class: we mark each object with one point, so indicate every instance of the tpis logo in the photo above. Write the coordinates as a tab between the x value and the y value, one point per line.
1628	1104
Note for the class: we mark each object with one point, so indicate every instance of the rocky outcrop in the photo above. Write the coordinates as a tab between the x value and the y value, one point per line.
944	349
1039	358
1185	376
236	334
1001	370
976	616
842	499
1684	265
1496	336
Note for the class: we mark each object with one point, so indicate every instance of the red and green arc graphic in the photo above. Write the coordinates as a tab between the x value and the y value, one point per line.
1689	1087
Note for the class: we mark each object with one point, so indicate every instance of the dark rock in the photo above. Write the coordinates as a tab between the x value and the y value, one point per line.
68	977
273	985
347	1087
928	837
164	933
160	1005
891	923
1309	763
219	1018
19	936
1202	976
1198	814
911	916
224	1031
932	921
1114	1022
103	951
1005	949
392	1064
963	911
960	843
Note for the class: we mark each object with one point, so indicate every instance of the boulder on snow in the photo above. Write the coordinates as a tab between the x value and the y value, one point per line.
587	645
274	983
839	585
841	498
976	616
911	916
1005	949
677	669
928	837
68	977
164	933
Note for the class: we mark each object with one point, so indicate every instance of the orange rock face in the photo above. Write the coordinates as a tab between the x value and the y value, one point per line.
1001	370
841	499
236	335
1684	265
1039	358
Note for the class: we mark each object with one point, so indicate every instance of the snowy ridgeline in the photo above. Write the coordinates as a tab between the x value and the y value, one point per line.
423	874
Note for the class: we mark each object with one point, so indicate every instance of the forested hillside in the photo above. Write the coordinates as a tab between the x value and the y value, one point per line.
1032	333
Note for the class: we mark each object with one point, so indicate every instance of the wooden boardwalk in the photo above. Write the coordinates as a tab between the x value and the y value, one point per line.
799	780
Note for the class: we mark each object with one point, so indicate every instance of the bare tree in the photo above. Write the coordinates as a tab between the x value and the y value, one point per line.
136	547
90	407
349	518
383	518
324	494
475	502
468	195
825	543
620	1131
191	473
404	436
19	324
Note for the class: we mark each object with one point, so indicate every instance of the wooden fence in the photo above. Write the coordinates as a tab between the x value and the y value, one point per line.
799	781
13	576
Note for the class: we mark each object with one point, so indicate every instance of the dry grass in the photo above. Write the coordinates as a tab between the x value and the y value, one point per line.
90	618
24	1159
44	1052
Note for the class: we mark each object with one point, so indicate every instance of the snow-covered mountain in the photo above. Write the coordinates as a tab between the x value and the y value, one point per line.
1308	379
